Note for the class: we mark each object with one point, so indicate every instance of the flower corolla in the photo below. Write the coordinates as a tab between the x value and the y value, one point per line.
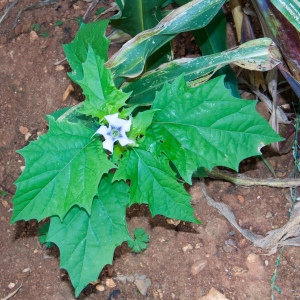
116	131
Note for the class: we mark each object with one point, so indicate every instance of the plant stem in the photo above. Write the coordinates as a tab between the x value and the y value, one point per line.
248	181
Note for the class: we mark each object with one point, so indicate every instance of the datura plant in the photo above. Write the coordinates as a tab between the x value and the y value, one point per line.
138	137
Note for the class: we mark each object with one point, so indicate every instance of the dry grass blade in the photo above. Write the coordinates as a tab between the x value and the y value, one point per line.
7	10
237	13
90	8
282	118
271	79
288	235
13	293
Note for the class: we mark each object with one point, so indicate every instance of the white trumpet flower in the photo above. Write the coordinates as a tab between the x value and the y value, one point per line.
116	131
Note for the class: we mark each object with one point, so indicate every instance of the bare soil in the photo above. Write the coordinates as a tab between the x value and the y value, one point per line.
184	261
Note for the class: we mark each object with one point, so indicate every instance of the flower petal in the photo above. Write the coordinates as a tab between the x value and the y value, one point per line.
102	130
126	127
124	141
108	144
114	121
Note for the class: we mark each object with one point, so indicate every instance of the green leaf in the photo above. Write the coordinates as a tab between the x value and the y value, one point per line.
102	97
127	111
88	34
140	123
140	241
277	289
138	15
130	60
56	114
153	182
37	27
290	9
58	23
200	173
3	193
87	243
63	169
99	11
42	235
212	39
206	127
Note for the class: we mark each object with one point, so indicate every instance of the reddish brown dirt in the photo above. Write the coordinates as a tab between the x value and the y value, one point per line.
32	86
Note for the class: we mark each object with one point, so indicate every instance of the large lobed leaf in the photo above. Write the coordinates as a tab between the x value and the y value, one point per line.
63	169
87	243
206	127
102	97
153	182
76	52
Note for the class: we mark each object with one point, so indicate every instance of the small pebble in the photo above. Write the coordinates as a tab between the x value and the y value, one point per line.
27	136
142	286
109	282
198	246
198	266
236	270
5	204
26	270
33	36
269	215
11	285
266	263
242	243
59	68
214	295
23	129
100	288
187	247
173	222
121	278
241	199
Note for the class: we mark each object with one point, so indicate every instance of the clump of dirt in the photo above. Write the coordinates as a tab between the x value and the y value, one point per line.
183	261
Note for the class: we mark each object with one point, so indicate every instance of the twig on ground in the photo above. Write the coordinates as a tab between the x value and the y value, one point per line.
13	293
60	61
6	189
7	10
32	7
239	179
